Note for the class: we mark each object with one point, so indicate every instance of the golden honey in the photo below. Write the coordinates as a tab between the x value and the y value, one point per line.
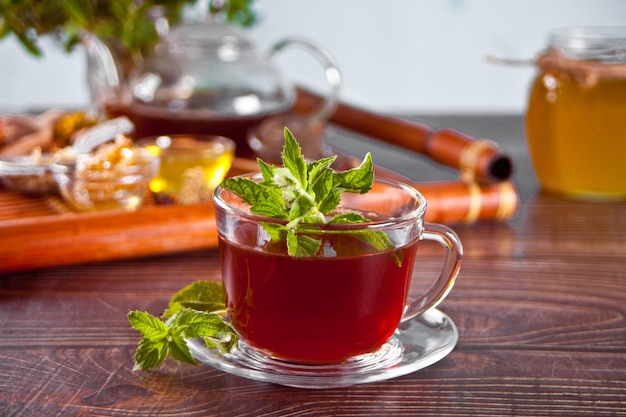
191	167
576	115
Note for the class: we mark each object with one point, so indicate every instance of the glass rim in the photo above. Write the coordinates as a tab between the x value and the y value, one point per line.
604	43
196	142
415	214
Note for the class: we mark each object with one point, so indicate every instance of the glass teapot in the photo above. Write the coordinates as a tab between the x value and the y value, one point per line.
204	77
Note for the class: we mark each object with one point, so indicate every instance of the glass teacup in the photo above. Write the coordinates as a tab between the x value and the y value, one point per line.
345	301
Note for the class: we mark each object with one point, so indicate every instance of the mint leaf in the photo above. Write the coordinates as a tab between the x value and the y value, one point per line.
359	179
269	208
267	170
348	218
153	348
200	295
162	339
377	239
317	169
301	245
179	350
249	191
148	325
263	200
150	353
277	232
301	208
196	323
222	343
327	195
293	159
380	241
215	332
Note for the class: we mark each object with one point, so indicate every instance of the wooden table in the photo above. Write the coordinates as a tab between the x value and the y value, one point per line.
540	306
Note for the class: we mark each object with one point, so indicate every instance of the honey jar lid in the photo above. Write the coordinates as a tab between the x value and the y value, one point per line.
606	44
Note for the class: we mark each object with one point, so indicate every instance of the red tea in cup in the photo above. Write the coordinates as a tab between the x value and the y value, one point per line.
315	309
345	301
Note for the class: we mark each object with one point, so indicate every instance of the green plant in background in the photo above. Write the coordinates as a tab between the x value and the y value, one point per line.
130	24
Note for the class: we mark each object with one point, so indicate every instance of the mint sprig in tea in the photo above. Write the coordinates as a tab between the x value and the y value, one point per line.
305	195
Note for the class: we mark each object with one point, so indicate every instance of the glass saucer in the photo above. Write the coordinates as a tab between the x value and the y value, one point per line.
416	344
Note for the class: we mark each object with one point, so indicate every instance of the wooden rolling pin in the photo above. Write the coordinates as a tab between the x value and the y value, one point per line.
458	201
450	201
476	159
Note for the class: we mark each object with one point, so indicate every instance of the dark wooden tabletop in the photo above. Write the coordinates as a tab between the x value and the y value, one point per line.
540	306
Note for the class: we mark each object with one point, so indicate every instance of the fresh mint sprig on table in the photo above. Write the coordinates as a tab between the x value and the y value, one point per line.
300	193
196	311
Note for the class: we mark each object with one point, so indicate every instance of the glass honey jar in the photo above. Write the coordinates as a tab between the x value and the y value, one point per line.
576	115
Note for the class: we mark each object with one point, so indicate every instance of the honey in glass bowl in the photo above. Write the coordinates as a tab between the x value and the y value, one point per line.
191	166
576	115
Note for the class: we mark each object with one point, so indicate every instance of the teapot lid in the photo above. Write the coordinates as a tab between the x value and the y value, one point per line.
211	66
210	35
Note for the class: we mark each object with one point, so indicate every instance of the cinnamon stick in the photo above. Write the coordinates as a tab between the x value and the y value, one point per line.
454	201
450	201
458	201
476	159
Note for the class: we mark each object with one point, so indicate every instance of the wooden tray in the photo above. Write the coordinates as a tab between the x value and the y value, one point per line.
35	232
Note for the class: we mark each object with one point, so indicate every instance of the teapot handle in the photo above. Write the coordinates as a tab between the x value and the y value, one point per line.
330	69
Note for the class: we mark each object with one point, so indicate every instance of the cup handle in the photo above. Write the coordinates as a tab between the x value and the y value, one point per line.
330	69
440	288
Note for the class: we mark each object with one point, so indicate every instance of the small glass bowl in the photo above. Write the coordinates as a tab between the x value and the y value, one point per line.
30	174
118	188
27	174
192	166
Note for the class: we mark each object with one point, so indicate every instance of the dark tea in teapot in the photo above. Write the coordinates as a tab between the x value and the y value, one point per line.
154	121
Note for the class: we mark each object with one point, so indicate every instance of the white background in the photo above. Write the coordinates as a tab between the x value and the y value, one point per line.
423	56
